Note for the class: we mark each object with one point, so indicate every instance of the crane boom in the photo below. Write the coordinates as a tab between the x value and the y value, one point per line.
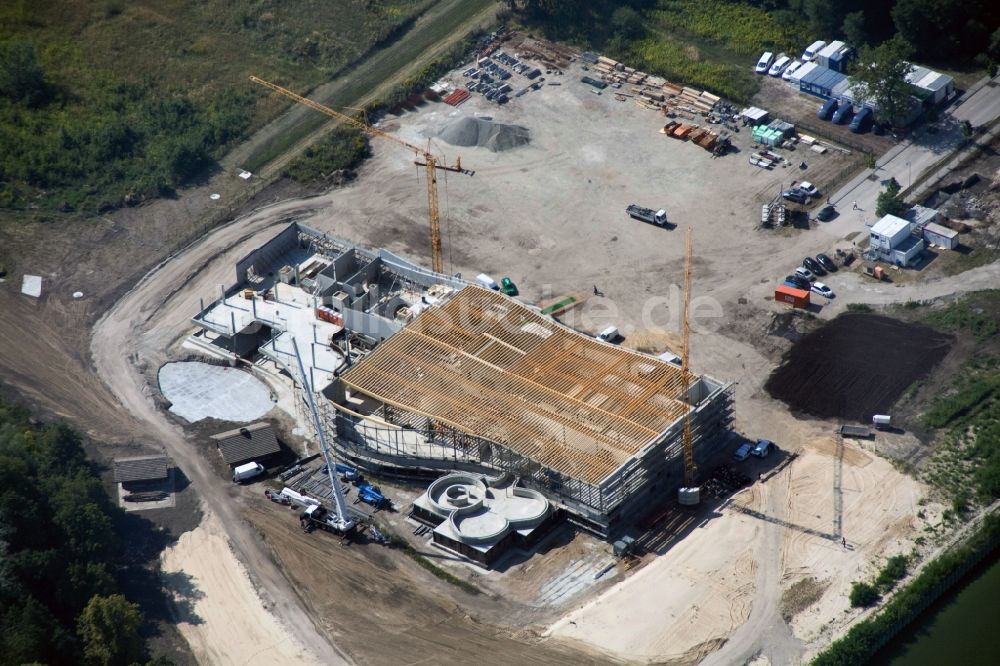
430	162
690	470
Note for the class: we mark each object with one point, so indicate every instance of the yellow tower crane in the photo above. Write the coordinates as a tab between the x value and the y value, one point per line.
689	494
431	162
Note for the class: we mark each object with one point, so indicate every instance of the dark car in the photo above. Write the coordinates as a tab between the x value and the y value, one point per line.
843	114
827	109
797	196
826	213
826	262
798	281
862	121
813	265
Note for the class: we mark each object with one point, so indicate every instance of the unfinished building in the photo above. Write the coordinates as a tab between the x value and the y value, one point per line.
425	374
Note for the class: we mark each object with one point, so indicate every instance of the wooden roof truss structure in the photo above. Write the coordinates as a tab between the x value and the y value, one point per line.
489	366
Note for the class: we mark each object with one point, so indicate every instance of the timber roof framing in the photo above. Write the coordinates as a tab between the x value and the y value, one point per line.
489	366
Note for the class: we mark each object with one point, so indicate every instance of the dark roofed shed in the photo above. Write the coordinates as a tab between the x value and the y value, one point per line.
140	468
242	444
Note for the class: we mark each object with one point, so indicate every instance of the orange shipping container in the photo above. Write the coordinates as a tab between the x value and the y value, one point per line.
798	298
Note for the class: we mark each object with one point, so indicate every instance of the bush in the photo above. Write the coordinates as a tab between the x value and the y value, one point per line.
863	595
858	307
893	571
343	148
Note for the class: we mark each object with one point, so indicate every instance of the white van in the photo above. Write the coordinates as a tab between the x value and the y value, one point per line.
610	334
248	471
779	66
486	281
765	61
812	50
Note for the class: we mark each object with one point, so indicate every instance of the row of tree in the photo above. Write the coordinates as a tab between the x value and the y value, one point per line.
59	553
940	31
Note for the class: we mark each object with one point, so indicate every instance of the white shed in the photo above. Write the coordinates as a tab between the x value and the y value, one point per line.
941	236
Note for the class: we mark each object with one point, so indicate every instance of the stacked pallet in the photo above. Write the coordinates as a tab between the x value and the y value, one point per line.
457	97
656	92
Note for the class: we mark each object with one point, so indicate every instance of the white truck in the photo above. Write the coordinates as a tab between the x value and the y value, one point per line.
657	217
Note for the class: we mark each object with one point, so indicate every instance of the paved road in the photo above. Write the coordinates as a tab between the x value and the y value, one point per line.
908	161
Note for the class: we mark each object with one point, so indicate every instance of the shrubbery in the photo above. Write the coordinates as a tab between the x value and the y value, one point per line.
60	540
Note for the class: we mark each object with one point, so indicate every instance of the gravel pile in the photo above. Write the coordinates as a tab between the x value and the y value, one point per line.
468	131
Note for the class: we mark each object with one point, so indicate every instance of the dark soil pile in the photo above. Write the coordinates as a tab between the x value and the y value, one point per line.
856	366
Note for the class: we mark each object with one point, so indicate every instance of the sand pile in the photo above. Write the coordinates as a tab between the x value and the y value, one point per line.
469	131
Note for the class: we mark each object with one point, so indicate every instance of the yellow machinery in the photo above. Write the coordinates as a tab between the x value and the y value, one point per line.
690	470
430	161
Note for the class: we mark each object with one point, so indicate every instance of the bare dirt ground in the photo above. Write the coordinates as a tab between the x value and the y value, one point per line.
550	215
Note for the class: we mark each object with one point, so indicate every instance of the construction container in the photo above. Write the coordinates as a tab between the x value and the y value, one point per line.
798	298
329	315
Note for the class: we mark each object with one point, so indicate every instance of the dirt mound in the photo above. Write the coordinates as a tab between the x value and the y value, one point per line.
468	131
856	366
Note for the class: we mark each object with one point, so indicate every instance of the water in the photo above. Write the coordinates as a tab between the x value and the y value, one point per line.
960	629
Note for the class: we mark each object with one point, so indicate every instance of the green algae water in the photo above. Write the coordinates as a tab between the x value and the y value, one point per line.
962	628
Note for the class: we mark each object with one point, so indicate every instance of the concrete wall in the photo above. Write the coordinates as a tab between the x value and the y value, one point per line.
266	255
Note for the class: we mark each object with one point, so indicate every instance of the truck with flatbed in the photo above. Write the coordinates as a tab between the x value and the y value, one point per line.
657	217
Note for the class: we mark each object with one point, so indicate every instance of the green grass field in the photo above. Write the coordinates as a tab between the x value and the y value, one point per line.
120	98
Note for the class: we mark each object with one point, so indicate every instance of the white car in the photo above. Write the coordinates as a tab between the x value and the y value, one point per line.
822	290
779	65
808	188
812	50
764	63
787	74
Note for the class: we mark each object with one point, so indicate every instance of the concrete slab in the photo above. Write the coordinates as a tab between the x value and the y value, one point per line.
199	390
32	285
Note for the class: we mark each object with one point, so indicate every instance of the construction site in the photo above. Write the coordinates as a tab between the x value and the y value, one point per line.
416	372
536	466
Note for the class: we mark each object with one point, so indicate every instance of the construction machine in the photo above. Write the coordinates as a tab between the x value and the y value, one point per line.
430	161
689	494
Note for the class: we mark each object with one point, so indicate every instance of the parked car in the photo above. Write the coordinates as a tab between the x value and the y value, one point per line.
779	66
812	50
795	196
787	74
797	281
766	59
826	262
805	273
822	290
762	448
862	121
743	452
843	114
808	188
826	213
827	109
813	265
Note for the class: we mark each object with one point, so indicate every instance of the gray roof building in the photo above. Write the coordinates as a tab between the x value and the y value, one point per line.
140	468
242	444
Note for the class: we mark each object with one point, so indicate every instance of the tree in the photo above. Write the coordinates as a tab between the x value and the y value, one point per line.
946	28
855	29
21	77
863	594
109	627
879	76
889	201
626	22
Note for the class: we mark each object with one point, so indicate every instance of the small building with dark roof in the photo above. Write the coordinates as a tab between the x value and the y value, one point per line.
248	443
140	468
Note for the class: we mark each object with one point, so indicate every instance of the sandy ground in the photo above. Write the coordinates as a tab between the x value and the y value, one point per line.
701	595
230	625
